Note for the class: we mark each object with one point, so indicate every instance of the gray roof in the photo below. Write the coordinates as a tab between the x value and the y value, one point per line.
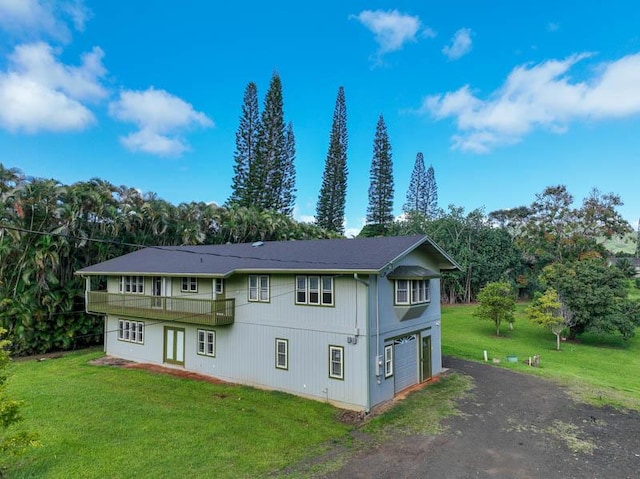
332	255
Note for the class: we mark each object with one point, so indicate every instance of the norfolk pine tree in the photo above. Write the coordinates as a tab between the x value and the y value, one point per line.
431	194
287	193
380	209
271	176
416	193
246	148
331	201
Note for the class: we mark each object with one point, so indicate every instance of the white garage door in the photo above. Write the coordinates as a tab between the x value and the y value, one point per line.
405	354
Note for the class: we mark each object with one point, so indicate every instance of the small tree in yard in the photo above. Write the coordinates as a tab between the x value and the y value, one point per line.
547	310
497	303
10	411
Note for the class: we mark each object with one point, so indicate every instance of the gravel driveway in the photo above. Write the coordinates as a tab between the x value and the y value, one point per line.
513	426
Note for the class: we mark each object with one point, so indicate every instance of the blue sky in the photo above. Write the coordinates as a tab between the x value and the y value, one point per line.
503	98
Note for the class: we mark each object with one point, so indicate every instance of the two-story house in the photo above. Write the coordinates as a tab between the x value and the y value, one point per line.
349	321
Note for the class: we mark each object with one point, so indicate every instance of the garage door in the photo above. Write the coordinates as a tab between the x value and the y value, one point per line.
405	353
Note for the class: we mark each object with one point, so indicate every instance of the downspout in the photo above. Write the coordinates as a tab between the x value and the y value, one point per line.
367	342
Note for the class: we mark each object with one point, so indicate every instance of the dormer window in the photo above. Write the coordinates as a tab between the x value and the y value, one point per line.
411	284
411	291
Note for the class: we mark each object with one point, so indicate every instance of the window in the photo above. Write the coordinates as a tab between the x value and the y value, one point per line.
327	290
402	291
206	342
219	285
388	361
414	291
336	362
315	290
259	288
189	285
131	331
282	353
132	284
301	289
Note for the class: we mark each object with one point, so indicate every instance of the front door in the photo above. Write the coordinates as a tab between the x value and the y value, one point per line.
426	358
174	345
156	291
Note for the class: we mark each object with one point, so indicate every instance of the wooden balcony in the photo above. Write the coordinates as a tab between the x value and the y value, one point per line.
208	312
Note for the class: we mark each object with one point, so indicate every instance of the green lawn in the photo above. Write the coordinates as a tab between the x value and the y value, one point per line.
98	421
602	370
107	422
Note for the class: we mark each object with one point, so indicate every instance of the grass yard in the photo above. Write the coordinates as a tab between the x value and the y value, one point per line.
100	421
601	370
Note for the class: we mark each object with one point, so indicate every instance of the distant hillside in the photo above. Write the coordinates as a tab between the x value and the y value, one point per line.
625	244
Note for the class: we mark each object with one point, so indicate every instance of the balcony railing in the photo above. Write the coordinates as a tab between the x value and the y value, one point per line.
209	312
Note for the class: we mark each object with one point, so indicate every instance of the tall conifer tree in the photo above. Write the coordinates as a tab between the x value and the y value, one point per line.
431	194
380	209
332	198
287	194
246	148
273	174
416	200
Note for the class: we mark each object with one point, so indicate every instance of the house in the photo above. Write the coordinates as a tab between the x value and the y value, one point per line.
349	321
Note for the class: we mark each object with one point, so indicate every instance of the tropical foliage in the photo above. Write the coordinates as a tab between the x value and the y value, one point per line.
49	230
596	295
548	310
497	303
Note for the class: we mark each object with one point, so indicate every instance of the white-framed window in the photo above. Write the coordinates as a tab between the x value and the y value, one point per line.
414	291
402	291
301	289
314	290
282	353
130	331
336	362
327	290
131	284
259	288
218	285
206	342
388	361
189	284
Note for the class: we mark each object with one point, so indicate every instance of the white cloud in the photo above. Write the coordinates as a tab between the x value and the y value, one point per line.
40	93
160	118
460	44
353	231
539	96
429	32
392	29
32	18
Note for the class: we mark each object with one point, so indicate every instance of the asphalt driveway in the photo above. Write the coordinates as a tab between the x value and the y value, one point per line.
512	426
